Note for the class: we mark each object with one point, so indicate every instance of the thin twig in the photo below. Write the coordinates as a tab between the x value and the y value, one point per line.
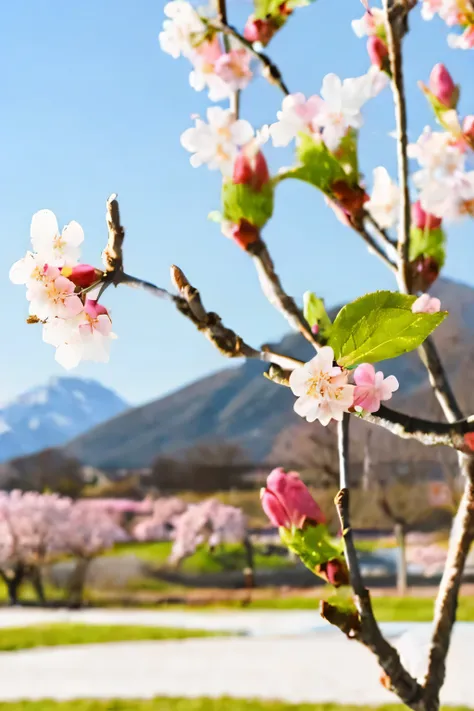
276	295
271	71
462	536
395	28
369	634
376	248
439	380
383	234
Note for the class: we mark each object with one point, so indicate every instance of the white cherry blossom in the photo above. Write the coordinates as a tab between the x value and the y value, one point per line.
181	30
297	115
55	248
322	389
343	101
385	199
85	337
215	143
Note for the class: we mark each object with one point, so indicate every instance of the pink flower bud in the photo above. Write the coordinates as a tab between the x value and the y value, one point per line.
315	329
250	168
442	86
259	30
423	220
287	501
245	234
82	275
334	572
378	51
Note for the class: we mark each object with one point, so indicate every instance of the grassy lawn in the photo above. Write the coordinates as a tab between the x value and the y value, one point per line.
165	704
228	557
52	635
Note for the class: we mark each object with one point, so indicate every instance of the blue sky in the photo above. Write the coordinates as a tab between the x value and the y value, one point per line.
91	106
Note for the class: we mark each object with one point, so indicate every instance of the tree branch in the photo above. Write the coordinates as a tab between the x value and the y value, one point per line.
376	248
234	101
439	380
276	295
112	256
396	27
462	535
369	634
271	71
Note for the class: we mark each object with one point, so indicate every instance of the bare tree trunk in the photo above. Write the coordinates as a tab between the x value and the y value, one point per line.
76	584
249	570
402	575
37	583
13	580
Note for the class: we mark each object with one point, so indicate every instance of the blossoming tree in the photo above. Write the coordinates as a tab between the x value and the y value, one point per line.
402	224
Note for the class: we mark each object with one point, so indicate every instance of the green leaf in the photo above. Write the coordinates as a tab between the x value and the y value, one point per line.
315	313
379	326
312	544
429	243
318	165
242	202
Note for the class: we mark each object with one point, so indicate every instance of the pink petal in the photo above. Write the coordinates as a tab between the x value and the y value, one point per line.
94	309
366	398
364	374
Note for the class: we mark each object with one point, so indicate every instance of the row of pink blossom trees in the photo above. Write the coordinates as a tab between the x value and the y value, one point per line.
39	529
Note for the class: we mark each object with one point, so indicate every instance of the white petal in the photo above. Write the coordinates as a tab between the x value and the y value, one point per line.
218	117
69	356
306	407
44	228
73	234
20	272
282	133
242	132
298	380
331	91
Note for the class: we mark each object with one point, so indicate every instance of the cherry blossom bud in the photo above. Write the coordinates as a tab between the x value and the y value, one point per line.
423	220
443	87
245	234
425	271
335	572
378	52
259	30
315	329
82	275
287	501
250	168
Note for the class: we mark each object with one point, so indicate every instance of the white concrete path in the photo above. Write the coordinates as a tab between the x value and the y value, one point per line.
313	666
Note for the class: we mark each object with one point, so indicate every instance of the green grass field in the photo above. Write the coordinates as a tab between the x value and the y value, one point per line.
53	635
228	557
164	704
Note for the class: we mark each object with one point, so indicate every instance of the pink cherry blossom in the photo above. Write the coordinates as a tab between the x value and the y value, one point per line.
53	296
426	304
53	247
370	24
234	69
372	387
463	41
377	51
322	389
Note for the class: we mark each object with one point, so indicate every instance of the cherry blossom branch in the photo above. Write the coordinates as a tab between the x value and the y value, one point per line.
396	27
271	72
383	234
439	380
368	633
462	537
276	295
376	248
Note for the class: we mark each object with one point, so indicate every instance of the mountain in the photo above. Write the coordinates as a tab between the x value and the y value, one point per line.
50	415
239	404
